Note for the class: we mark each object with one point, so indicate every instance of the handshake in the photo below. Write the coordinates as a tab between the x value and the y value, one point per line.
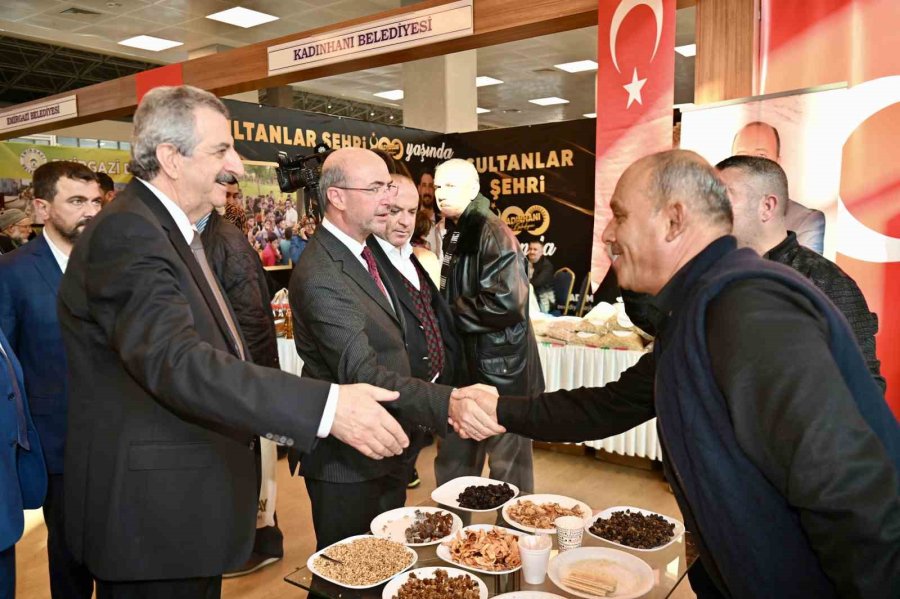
473	412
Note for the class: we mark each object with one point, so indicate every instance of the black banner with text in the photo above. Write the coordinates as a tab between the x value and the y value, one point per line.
540	180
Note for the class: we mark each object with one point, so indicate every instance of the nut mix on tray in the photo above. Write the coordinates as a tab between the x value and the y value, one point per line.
364	561
442	586
485	497
540	515
634	529
493	549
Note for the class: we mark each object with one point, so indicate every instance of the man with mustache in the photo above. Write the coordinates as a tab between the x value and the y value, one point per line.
349	327
67	196
165	406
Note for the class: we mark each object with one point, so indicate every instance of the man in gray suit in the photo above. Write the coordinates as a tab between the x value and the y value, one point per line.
348	327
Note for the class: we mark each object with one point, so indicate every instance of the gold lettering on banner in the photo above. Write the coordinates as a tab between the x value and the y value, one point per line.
526	161
535	220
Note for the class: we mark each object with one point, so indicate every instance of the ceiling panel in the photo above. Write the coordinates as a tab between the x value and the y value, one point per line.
526	66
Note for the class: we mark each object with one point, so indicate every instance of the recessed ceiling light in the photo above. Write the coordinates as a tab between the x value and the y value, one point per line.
590	115
577	66
148	42
394	94
549	101
242	17
480	110
687	51
484	80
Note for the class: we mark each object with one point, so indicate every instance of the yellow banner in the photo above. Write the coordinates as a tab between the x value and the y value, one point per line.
18	161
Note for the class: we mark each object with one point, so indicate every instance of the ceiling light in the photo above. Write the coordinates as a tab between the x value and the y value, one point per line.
394	94
480	110
590	115
687	51
577	66
148	42
242	17
484	80
548	101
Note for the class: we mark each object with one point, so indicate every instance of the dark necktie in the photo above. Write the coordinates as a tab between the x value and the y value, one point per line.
369	257
21	423
200	255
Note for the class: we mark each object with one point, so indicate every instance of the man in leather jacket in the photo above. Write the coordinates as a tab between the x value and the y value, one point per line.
485	281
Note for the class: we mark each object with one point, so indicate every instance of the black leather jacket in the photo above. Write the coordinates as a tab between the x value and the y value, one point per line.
240	272
488	293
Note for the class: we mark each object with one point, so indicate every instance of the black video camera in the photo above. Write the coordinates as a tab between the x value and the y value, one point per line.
302	172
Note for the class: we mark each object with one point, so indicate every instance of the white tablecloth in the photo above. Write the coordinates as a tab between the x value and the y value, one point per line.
565	367
573	366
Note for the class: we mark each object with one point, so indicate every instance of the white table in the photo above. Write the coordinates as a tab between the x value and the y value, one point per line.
565	367
573	366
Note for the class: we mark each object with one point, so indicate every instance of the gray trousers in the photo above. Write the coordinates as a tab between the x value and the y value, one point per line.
509	459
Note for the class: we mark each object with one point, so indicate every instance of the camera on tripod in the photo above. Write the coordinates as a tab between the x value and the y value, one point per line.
302	172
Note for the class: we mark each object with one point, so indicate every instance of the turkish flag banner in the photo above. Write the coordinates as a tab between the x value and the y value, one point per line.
825	41
635	92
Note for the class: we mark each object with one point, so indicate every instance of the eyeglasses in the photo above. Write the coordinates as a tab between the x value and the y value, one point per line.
388	189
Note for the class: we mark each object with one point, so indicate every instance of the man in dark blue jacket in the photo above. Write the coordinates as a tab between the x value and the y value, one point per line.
780	449
67	196
23	475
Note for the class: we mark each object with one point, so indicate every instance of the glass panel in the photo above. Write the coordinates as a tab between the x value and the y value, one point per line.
87	143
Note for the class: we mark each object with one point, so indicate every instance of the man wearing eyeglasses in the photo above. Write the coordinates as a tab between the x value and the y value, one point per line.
348	327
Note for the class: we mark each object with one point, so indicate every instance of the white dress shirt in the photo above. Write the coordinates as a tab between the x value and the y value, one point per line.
184	225
401	258
61	258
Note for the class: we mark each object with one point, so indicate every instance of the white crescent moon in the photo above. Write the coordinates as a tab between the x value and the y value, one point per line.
625	7
855	239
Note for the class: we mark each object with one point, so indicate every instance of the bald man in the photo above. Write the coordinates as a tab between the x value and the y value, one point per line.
780	449
349	326
762	140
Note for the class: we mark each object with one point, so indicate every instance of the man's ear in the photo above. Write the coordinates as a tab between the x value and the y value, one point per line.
676	216
169	159
42	208
769	207
336	198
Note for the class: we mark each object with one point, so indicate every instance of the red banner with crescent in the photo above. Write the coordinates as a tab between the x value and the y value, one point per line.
824	41
635	91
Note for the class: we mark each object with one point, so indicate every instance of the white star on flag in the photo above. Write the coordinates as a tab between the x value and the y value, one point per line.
634	89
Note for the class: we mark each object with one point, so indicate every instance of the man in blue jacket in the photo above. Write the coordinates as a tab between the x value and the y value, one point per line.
23	475
67	196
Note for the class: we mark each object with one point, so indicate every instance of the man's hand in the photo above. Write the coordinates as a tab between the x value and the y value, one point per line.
364	425
473	412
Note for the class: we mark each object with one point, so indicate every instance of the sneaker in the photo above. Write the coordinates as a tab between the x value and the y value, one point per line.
414	480
256	562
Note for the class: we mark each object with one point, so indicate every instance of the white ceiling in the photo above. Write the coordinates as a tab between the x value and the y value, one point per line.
525	67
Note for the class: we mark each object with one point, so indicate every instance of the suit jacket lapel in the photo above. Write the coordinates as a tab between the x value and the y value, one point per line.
46	263
389	271
354	270
186	255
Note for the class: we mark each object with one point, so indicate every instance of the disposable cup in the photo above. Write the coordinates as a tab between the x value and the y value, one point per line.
569	532
535	553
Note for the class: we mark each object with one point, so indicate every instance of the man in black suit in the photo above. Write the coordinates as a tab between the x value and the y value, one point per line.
164	411
348	327
434	349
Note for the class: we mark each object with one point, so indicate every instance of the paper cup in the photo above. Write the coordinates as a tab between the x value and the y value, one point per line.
569	531
535	553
